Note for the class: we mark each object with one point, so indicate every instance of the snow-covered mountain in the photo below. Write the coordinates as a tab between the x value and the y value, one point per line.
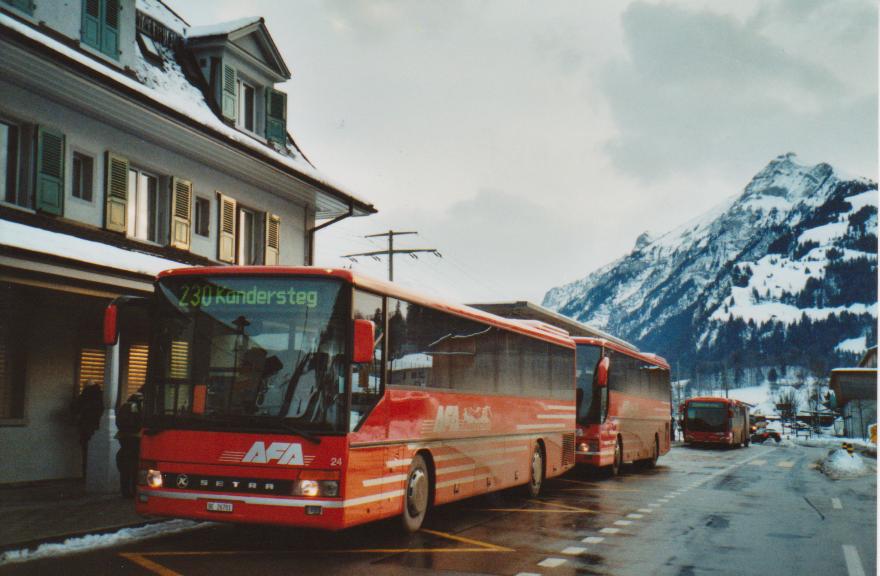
783	275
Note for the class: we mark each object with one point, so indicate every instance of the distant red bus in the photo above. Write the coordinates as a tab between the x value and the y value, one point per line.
711	420
624	409
326	399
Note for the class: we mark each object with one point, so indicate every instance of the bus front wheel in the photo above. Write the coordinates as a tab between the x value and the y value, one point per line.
416	495
536	472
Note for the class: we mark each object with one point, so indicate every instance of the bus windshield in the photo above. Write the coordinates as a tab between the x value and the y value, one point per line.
249	351
707	416
588	409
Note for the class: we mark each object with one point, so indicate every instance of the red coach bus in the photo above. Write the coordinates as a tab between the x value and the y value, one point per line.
326	399
624	409
710	420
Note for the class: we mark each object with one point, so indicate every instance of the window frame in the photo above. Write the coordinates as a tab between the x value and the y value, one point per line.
256	233
202	222
162	207
242	116
76	152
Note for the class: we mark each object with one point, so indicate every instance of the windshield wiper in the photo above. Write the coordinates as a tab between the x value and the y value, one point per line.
281	422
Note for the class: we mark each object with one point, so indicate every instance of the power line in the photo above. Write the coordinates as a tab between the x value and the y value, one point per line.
391	251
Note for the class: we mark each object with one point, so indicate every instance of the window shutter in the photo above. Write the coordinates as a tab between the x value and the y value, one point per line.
115	192
23	5
181	212
226	236
110	28
50	171
276	116
91	23
228	96
273	239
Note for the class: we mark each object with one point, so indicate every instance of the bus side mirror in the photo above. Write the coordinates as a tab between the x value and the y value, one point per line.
364	338
111	328
602	372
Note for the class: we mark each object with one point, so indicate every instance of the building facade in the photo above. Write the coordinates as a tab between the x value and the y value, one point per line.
130	143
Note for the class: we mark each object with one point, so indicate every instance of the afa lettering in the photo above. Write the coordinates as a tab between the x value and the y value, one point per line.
286	454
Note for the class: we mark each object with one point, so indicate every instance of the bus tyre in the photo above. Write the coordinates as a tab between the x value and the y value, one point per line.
652	461
416	495
618	458
536	472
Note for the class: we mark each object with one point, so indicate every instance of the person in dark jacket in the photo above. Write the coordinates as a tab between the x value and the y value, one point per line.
88	410
128	423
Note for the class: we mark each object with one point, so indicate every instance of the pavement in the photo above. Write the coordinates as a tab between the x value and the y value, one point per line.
57	510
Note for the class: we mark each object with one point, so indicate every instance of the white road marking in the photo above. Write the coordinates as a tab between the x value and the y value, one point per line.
853	562
622	522
574	550
609	530
671	495
635	516
551	562
655	505
528	574
592	540
835	503
786	464
646	510
758	462
663	500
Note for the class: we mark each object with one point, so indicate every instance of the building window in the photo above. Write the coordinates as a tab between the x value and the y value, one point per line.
11	356
136	372
146	208
246	98
100	26
26	6
202	216
83	169
8	160
92	361
249	237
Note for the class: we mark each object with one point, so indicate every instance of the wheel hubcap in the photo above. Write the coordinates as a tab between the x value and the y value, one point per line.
536	469
417	493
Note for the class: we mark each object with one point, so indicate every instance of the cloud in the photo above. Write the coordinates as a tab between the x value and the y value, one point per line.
700	91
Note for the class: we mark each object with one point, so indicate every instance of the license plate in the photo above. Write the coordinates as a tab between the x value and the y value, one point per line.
219	507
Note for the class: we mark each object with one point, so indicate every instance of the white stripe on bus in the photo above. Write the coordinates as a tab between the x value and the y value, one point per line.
538	427
283	502
555	416
384	480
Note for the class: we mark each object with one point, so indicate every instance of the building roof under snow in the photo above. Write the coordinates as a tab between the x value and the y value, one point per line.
168	87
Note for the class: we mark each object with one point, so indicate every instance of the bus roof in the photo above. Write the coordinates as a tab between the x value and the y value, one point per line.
717	399
632	352
554	336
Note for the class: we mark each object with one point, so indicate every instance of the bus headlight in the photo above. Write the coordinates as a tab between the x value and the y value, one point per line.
154	479
313	488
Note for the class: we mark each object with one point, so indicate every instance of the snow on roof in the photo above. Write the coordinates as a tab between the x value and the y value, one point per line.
80	249
221	28
170	88
161	13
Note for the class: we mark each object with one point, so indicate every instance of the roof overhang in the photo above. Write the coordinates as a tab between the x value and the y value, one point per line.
275	62
36	66
854	384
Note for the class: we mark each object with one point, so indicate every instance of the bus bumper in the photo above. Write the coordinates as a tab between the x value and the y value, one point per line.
323	514
597	459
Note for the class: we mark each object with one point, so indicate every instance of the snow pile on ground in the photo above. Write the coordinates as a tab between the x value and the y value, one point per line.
860	444
93	541
840	464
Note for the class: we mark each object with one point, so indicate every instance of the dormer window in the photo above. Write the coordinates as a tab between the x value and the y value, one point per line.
100	26
246	111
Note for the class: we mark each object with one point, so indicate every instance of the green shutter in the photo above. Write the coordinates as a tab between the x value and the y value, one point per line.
276	116
50	171
228	95
115	192
91	23
181	212
110	28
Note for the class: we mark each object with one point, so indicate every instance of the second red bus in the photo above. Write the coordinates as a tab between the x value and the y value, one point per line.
713	420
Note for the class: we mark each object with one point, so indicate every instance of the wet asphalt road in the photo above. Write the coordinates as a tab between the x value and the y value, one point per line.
763	510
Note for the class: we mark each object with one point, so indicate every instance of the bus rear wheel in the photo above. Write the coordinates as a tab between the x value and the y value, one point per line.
416	495
536	472
618	458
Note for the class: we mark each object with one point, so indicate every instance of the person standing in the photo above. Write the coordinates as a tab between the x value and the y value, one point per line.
128	424
88	409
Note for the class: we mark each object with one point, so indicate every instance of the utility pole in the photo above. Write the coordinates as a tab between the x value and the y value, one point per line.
391	251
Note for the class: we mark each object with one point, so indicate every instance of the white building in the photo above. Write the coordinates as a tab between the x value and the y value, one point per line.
130	142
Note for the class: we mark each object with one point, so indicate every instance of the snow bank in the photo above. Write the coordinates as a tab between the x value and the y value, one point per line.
93	541
840	464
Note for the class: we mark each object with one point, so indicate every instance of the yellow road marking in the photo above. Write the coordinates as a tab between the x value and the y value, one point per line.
478	546
565	509
149	564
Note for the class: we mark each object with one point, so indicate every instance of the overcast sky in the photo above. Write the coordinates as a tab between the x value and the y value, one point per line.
532	142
